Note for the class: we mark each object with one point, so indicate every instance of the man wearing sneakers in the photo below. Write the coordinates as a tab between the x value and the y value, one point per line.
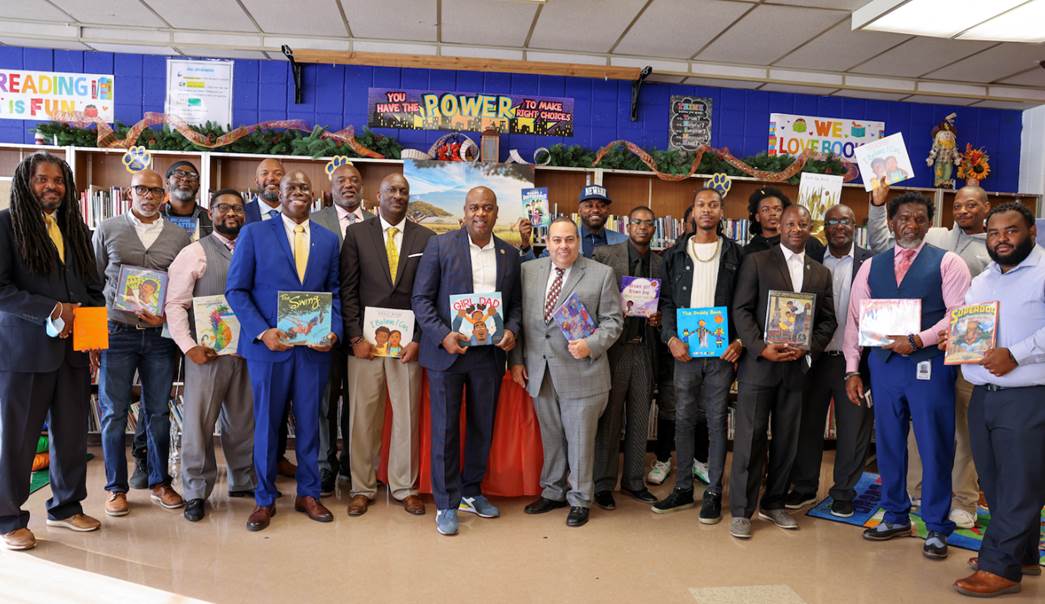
700	271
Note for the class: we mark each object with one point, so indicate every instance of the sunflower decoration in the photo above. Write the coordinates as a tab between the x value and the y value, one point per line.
975	165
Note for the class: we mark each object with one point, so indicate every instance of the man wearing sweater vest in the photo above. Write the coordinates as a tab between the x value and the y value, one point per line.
215	383
137	238
909	381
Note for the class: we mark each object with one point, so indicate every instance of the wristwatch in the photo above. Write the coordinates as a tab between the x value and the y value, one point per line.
912	341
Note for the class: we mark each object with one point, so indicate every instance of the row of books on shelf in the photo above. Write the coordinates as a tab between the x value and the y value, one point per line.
98	205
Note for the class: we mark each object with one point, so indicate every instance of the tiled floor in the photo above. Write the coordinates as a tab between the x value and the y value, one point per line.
627	555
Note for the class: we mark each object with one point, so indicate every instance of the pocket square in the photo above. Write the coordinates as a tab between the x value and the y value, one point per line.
416	255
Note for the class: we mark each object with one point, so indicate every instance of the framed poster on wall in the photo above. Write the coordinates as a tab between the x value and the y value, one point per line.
199	91
689	122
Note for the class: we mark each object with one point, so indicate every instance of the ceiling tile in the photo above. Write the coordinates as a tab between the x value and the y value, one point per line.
939	100
212	14
667	79
397	19
840	48
44	43
110	12
722	83
993	63
867	94
1034	77
305	42
493	22
798	89
555	57
39	9
482	52
603	21
1003	105
678	28
768	32
311	17
843	4
392	47
145	50
918	56
222	53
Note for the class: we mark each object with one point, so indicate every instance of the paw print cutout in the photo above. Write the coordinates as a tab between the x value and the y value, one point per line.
720	182
336	162
137	159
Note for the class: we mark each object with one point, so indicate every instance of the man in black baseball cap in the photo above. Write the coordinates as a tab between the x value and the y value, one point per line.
183	184
594	208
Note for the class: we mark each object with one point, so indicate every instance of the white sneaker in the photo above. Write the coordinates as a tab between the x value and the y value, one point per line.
700	471
963	519
659	472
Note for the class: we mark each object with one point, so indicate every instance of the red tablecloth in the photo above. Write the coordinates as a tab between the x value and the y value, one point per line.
514	468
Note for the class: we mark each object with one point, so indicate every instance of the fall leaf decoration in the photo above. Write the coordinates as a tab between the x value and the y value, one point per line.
975	164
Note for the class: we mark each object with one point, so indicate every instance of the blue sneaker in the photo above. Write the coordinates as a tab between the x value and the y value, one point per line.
480	506
446	522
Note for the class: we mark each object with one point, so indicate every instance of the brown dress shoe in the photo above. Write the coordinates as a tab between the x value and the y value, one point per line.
358	505
81	523
286	469
167	497
116	505
19	539
1028	570
313	508
414	505
982	584
260	517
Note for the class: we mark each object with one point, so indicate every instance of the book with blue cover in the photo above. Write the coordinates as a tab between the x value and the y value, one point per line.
478	317
574	319
704	330
304	317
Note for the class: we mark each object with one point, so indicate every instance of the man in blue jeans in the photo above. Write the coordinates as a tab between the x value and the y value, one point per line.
138	238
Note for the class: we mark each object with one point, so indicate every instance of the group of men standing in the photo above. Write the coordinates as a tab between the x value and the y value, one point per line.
586	391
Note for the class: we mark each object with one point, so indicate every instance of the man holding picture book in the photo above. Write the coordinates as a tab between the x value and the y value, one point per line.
464	276
216	380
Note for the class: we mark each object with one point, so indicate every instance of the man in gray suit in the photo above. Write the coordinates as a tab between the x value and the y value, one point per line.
346	187
571	379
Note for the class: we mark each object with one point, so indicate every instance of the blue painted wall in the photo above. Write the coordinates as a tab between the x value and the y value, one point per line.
335	96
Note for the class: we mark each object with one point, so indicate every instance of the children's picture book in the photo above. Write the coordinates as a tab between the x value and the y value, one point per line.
304	317
90	328
140	289
886	157
478	317
789	318
573	319
818	192
639	296
972	332
388	330
536	207
704	330
216	325
884	317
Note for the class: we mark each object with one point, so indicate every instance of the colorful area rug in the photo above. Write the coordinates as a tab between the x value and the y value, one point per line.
868	514
41	478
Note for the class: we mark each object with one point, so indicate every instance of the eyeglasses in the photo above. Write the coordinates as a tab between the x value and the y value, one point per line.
838	222
225	208
142	191
185	175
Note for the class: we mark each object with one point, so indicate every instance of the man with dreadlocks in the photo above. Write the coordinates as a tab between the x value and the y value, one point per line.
46	270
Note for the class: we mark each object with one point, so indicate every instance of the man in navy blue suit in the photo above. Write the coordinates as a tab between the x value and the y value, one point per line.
469	260
266	204
284	254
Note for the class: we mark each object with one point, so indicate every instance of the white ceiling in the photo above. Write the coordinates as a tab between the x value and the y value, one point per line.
782	45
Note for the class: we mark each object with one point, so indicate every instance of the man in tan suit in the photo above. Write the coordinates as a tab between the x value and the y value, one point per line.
379	259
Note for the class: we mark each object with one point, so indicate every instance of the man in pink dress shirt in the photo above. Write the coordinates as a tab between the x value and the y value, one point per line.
909	381
216	379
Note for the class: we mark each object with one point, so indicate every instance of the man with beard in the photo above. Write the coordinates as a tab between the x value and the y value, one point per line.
1006	414
909	381
346	187
967	238
214	385
138	238
183	184
284	254
266	204
46	271
470	260
594	208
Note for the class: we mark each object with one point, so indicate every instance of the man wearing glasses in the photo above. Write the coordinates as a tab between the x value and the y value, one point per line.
826	380
183	184
138	238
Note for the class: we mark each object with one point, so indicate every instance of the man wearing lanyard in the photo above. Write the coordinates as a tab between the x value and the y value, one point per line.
1007	410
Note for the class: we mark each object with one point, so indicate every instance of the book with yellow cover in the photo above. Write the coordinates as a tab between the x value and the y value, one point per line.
973	331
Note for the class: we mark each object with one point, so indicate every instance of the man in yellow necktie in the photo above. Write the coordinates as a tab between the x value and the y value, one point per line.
392	252
55	234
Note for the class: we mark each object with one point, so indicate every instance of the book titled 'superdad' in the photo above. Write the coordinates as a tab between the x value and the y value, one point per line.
304	317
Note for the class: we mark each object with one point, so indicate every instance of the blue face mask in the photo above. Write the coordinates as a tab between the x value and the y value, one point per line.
55	326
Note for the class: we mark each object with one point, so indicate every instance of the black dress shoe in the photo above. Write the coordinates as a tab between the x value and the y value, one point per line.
543	505
578	516
194	510
326	483
243	493
604	499
140	478
642	494
935	547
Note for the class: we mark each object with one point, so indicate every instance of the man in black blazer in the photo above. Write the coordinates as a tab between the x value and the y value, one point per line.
826	382
772	374
379	259
47	269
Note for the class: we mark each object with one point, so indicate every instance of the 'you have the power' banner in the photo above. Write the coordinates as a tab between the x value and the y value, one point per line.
793	134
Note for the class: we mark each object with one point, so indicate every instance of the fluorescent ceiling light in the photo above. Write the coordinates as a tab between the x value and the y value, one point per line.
1000	20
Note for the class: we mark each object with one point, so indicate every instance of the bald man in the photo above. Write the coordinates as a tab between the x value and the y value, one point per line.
265	204
138	238
379	259
967	238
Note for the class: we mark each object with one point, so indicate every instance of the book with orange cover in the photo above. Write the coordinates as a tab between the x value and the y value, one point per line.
90	328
